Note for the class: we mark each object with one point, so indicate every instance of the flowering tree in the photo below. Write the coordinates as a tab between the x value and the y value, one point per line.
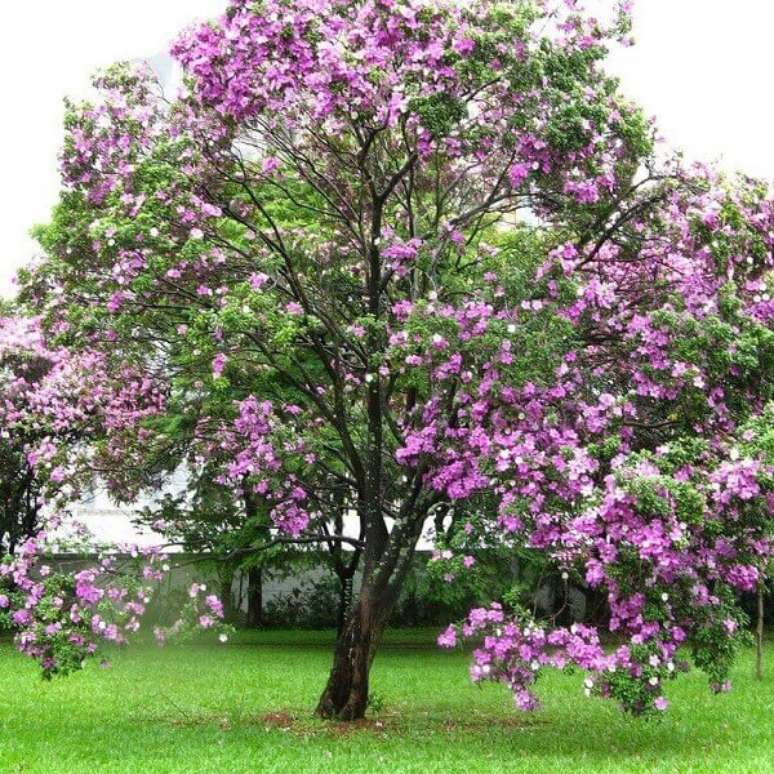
46	411
61	618
316	252
21	498
54	410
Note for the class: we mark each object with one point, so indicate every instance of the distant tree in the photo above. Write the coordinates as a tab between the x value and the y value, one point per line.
760	622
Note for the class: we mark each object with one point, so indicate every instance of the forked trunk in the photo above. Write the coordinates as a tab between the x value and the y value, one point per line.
346	694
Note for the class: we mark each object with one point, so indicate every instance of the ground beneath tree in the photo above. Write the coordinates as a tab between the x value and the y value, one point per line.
391	724
247	707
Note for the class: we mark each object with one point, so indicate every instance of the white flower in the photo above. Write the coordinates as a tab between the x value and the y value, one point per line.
588	682
535	665
670	666
223	637
653	681
587	691
665	597
654	661
565	576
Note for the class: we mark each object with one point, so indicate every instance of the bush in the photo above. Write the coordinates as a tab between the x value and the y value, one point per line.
310	605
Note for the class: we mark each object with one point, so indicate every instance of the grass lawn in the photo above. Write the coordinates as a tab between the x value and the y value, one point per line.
245	707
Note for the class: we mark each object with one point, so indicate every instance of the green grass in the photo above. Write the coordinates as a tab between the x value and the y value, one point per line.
207	708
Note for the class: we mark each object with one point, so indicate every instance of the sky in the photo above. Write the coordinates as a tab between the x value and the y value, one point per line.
703	67
50	49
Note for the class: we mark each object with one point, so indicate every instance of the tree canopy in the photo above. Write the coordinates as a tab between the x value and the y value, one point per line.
423	258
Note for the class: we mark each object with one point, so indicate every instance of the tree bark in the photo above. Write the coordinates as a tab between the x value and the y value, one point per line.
759	634
389	557
226	596
254	598
346	694
345	599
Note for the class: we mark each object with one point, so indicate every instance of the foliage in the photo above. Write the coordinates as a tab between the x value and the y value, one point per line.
63	617
418	263
310	605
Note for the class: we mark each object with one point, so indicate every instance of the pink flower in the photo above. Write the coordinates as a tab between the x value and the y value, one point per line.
215	605
448	638
269	164
22	617
258	280
518	174
218	364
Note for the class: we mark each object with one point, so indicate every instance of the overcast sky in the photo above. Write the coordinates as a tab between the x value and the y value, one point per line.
702	66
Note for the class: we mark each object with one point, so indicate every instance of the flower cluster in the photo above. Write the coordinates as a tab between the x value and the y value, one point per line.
60	618
514	653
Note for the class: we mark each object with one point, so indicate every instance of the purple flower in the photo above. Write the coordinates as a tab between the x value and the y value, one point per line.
448	638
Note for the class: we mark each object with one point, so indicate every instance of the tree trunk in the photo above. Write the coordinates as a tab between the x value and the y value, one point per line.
346	694
388	560
226	596
254	598
345	600
759	635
